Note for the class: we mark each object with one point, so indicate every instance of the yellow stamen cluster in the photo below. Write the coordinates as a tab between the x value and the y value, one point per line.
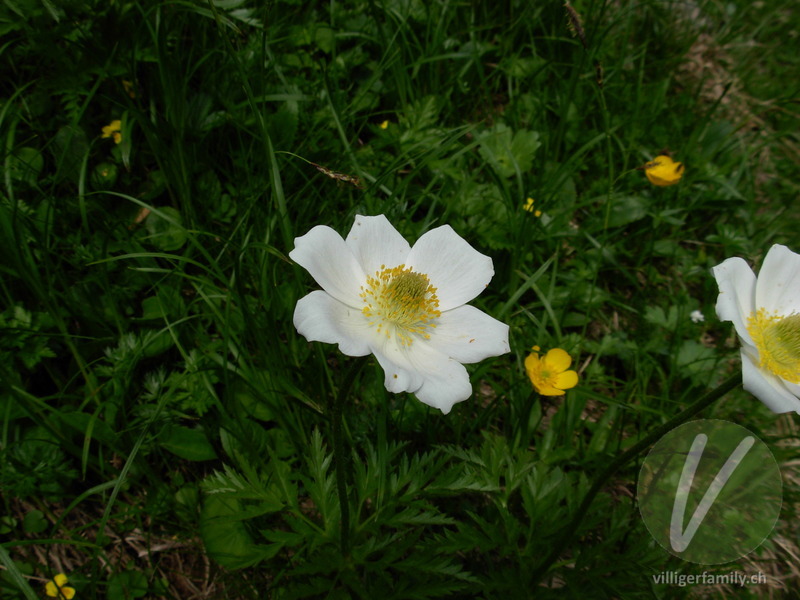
401	302
777	338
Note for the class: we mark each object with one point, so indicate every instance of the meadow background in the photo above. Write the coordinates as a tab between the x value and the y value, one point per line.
166	431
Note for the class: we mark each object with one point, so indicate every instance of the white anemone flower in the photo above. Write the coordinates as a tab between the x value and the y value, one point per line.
406	305
766	315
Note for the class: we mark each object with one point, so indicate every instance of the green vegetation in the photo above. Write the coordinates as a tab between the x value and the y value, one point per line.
166	432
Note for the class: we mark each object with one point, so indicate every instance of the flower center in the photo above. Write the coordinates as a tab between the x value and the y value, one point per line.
543	376
778	341
401	302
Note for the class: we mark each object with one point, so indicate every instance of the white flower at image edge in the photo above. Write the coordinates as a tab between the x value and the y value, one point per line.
404	305
766	315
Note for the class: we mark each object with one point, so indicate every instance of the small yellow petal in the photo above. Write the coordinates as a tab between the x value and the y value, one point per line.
558	359
58	588
566	380
108	130
384	125
532	361
129	89
548	390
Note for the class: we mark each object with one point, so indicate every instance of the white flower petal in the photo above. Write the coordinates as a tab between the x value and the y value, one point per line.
778	288
793	388
434	378
375	242
766	387
325	255
319	317
398	379
469	335
455	269
737	292
450	386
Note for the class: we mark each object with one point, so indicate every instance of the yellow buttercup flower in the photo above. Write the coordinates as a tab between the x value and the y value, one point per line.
384	125
58	588
529	207
129	89
663	171
114	130
549	374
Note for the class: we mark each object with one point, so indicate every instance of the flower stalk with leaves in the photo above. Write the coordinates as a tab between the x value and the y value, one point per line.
406	306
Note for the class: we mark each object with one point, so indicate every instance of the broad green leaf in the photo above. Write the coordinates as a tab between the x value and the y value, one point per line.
167	302
191	444
626	209
166	233
126	585
104	176
225	535
25	164
88	425
252	405
34	522
70	147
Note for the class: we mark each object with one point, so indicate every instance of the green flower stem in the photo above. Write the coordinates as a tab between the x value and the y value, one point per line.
569	532
340	459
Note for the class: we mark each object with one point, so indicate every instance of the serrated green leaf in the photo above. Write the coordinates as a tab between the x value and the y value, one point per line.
695	358
509	152
657	316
